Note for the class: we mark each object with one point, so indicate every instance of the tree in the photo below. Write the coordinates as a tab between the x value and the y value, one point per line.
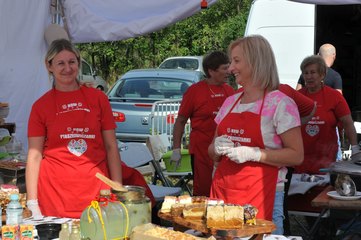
210	29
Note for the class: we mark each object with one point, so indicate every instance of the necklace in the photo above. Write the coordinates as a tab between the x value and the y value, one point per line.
214	95
217	99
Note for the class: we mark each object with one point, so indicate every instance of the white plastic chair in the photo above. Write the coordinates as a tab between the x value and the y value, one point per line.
135	155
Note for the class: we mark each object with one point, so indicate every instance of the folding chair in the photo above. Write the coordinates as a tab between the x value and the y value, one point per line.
137	154
163	116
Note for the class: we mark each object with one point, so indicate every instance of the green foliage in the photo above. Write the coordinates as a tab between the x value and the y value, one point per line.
210	29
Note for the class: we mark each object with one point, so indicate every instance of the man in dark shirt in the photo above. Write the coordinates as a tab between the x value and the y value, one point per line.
333	79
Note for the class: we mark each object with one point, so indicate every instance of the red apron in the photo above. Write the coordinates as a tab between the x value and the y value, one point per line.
67	181
249	182
319	137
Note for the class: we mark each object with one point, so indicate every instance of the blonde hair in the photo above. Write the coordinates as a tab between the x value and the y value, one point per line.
56	47
259	55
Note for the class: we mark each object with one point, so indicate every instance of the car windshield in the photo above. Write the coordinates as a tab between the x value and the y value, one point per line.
189	63
152	88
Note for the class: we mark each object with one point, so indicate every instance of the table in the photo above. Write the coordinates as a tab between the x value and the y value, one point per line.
13	172
325	202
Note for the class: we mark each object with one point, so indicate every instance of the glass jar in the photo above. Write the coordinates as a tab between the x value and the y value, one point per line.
138	205
105	218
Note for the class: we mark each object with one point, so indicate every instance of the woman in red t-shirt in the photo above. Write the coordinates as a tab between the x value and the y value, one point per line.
71	138
319	134
200	104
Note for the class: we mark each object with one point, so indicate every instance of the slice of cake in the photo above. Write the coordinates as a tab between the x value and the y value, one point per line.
215	216
233	216
194	211
185	199
177	209
167	203
199	199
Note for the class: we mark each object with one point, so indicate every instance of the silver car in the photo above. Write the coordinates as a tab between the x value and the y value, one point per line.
133	95
183	62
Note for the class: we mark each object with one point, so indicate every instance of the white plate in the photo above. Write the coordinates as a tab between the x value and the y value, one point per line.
337	196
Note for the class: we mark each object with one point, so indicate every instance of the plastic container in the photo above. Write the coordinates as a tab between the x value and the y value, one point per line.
185	164
138	205
14	211
108	210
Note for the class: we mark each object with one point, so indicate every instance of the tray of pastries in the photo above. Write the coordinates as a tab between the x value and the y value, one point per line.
214	216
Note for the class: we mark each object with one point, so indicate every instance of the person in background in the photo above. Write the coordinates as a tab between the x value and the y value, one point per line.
71	137
258	130
319	134
332	79
200	104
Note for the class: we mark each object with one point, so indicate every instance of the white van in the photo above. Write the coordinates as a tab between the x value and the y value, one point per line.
296	30
87	74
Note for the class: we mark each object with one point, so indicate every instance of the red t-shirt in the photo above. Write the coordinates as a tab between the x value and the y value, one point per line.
201	103
72	123
304	104
319	134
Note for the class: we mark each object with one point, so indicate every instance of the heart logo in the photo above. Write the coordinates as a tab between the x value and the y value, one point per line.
312	130
77	147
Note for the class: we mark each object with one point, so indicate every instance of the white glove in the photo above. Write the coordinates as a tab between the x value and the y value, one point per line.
243	154
355	149
33	206
176	157
221	144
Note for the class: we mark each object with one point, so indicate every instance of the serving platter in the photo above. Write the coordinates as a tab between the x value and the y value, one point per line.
261	227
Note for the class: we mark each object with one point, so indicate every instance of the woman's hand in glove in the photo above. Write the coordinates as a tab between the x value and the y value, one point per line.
243	154
176	157
33	206
221	144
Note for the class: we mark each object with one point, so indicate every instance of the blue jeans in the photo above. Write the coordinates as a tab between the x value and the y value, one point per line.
278	215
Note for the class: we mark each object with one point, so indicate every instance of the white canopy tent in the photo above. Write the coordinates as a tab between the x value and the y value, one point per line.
23	77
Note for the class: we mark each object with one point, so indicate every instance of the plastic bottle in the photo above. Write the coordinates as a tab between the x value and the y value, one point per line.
64	233
14	146
14	211
75	232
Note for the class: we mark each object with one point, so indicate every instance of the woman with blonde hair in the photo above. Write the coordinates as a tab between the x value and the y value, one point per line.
258	130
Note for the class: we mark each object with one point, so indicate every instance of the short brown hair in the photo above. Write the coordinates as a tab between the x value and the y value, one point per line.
314	59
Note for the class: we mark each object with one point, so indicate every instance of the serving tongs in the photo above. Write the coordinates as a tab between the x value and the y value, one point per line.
114	185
